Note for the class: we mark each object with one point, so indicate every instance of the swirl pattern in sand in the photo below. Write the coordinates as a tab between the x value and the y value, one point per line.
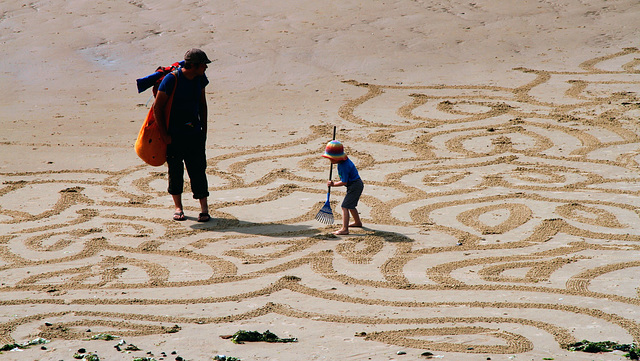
496	219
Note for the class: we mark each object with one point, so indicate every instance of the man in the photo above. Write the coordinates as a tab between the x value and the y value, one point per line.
187	132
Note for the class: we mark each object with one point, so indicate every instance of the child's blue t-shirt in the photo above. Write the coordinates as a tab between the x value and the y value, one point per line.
347	171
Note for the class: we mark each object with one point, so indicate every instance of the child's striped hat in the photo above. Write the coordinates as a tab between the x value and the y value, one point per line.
334	151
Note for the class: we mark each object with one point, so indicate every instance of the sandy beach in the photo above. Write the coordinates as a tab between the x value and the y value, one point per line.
498	141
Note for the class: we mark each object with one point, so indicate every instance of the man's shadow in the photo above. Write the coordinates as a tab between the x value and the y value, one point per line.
273	229
277	229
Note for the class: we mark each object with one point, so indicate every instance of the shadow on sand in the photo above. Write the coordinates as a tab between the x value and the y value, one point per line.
271	229
274	229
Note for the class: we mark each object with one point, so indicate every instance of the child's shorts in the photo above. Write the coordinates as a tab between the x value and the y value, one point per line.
354	190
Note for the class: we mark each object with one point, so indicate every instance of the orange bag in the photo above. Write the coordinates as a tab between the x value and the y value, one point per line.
149	146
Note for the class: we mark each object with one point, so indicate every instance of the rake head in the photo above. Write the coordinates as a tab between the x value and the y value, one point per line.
325	215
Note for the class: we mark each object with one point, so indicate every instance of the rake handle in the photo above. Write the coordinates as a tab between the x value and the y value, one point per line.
331	164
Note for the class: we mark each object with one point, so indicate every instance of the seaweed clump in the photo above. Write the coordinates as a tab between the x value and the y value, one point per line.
225	358
633	351
22	346
255	336
87	357
104	336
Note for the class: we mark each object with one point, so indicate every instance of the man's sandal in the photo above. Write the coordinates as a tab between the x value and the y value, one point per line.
204	217
179	216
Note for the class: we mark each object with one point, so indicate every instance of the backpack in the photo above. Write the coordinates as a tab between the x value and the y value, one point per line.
155	79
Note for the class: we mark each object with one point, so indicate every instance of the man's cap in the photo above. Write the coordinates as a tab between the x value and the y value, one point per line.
196	56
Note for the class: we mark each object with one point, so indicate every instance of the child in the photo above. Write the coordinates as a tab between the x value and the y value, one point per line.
348	177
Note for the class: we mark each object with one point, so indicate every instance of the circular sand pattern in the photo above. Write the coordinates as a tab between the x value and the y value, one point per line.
489	211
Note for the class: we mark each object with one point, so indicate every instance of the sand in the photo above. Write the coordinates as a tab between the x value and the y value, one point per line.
498	143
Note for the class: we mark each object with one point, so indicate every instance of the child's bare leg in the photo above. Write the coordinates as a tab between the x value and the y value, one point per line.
356	218
345	223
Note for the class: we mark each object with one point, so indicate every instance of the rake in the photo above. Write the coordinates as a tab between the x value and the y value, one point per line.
325	215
